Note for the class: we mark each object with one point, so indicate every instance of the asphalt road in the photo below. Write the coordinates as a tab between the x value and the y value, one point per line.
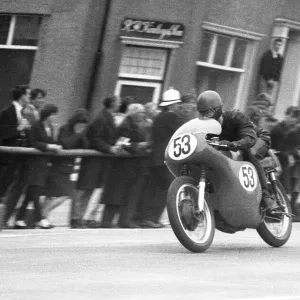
138	264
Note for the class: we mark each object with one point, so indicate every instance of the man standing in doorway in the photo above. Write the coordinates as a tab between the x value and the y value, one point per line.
270	69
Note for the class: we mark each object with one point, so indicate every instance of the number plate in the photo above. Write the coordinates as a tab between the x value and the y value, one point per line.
182	146
248	177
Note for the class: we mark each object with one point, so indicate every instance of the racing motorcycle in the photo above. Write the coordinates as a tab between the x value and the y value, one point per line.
214	188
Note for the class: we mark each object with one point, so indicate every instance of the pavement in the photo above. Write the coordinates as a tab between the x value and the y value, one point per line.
135	264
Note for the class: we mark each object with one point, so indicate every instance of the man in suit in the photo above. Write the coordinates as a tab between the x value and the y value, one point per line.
270	68
12	132
164	126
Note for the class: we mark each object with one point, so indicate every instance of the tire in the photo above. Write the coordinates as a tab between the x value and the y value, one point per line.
193	240
276	234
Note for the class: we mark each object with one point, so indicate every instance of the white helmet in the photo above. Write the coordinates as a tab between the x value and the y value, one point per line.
171	96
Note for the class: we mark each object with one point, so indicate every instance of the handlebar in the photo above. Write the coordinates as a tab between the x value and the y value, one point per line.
217	145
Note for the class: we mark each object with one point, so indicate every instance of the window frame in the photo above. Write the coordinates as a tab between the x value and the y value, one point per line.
247	70
156	85
10	36
146	77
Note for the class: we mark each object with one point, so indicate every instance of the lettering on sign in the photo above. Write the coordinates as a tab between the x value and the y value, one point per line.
152	29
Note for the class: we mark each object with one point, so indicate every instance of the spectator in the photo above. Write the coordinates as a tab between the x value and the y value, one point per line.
38	167
102	136
71	136
31	110
260	112
285	139
121	114
125	183
151	111
187	109
38	98
270	68
164	126
291	177
12	133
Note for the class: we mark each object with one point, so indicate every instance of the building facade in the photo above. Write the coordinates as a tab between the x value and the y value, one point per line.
81	51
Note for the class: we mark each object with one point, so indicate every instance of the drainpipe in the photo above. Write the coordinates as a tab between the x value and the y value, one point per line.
98	55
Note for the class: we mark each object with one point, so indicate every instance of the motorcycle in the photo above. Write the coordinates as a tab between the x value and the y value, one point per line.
214	188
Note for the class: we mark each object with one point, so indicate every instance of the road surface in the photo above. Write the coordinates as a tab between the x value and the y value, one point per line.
138	264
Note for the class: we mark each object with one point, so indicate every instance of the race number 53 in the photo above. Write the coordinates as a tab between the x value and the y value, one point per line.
248	177
182	146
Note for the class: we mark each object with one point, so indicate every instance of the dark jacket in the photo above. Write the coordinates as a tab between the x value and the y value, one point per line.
69	140
285	136
38	167
58	183
101	134
270	67
263	134
135	133
164	126
123	182
238	128
9	134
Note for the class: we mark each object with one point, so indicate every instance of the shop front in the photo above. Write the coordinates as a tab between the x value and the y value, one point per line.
147	50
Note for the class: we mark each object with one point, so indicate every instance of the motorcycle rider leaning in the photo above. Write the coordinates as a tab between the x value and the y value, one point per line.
239	133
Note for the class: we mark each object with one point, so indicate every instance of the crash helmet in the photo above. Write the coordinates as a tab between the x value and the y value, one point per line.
210	104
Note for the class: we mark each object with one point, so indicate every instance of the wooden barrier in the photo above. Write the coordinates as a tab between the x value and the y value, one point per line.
70	153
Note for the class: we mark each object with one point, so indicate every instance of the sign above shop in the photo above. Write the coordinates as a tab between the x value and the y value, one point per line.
152	30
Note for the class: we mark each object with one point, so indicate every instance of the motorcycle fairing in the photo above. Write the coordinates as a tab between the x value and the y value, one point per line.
238	206
210	126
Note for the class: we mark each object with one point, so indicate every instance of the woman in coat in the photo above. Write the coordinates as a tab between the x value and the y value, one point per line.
71	136
41	137
127	172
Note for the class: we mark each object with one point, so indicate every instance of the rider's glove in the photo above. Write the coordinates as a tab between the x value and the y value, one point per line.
230	145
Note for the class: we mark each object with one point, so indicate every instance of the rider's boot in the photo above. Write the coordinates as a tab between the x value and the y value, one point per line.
270	203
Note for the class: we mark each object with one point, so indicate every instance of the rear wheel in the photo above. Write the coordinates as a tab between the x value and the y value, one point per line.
193	229
273	232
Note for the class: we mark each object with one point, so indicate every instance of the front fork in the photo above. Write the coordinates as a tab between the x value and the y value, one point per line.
201	187
273	179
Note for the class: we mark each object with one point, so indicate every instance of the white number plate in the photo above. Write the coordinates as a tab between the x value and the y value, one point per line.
248	177
182	146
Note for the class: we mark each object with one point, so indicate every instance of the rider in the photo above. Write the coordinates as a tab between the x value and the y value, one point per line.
239	133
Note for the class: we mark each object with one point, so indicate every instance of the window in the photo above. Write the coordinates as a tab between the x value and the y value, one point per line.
223	51
141	73
18	44
225	62
143	92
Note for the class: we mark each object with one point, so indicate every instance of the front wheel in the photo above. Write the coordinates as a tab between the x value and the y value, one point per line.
193	229
276	233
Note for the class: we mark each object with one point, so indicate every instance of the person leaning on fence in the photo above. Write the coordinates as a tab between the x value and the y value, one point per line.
125	182
102	136
13	128
41	137
71	136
